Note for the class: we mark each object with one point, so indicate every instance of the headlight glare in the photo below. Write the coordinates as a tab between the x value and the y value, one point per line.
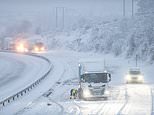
107	92
140	77
86	93
128	77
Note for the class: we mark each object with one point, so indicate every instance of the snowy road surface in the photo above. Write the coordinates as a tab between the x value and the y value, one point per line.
18	71
139	100
52	95
125	99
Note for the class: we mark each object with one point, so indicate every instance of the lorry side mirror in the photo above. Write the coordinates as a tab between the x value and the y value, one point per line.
109	77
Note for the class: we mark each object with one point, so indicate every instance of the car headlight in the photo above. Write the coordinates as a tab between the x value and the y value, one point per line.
42	48
107	92
140	78
86	93
36	49
26	50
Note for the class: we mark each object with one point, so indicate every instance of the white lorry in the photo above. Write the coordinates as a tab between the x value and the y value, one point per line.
93	84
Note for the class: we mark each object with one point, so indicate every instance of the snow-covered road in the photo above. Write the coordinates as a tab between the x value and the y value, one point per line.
52	95
19	71
135	101
139	100
56	100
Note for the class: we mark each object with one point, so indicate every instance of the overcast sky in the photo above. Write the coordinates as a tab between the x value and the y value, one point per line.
40	11
89	7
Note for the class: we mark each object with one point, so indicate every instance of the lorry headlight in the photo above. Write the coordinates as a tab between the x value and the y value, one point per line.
107	92
86	93
128	78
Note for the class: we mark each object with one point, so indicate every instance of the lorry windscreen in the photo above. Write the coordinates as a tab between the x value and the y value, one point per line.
95	77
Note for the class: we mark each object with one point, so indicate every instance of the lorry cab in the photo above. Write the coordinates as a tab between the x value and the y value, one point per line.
94	84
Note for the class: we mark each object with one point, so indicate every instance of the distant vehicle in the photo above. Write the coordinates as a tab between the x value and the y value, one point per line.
19	46
134	75
93	84
22	46
39	47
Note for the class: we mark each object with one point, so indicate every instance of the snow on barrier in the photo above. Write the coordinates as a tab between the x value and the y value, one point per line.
30	87
152	101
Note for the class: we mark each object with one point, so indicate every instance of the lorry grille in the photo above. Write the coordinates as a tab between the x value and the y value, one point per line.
97	91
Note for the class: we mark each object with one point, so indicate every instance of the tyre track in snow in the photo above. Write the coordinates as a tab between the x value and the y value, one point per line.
112	105
60	102
74	109
50	91
139	102
126	101
68	70
100	109
104	107
47	95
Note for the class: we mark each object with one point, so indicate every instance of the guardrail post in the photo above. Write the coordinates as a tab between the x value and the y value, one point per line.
3	103
17	95
21	94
